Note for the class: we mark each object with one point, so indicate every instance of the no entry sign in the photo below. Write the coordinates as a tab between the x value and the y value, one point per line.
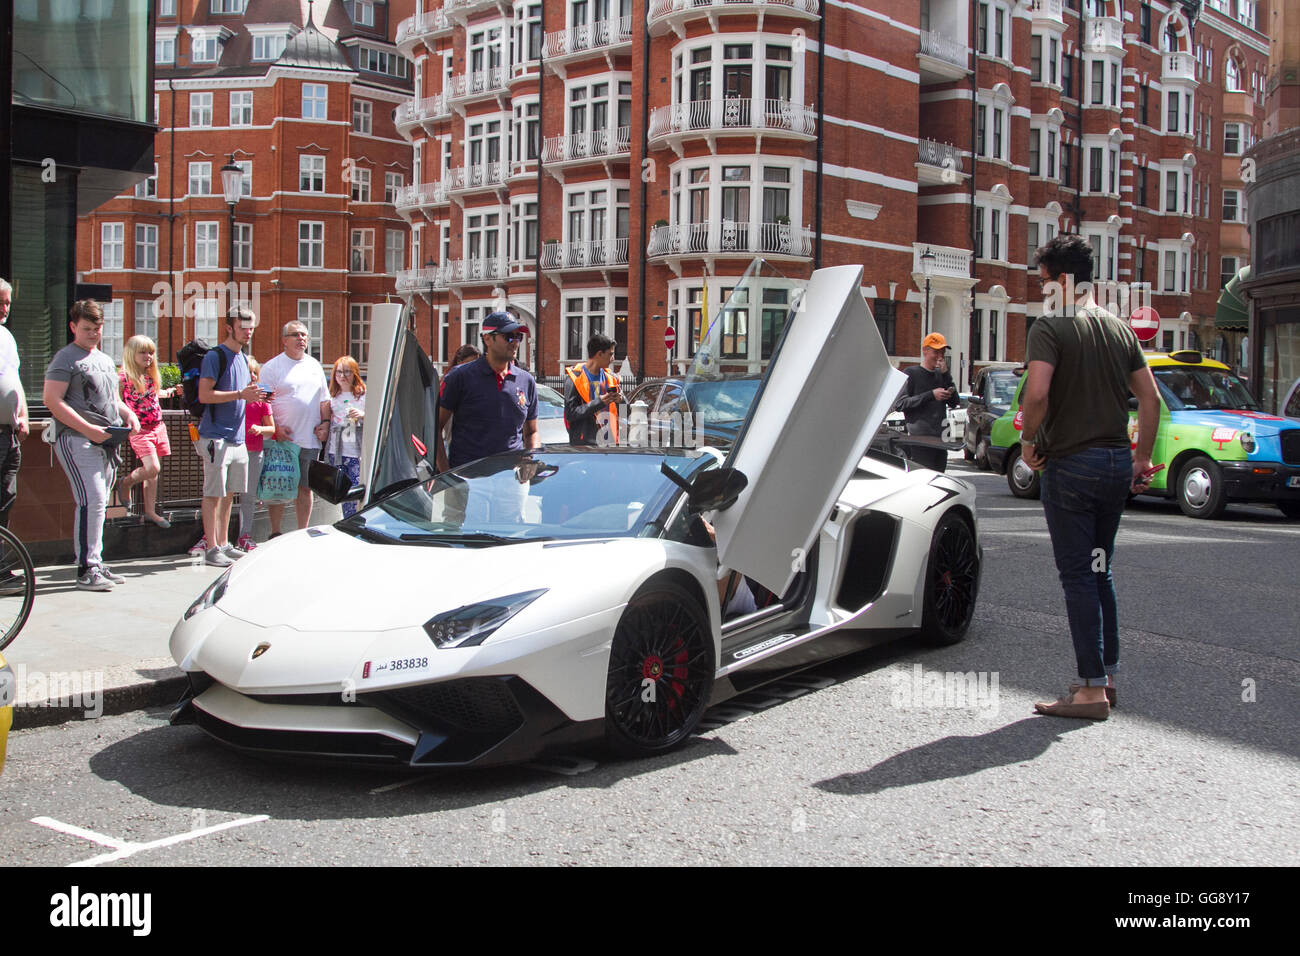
670	337
1145	323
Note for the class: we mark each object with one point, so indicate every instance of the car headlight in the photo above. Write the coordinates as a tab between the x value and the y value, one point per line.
472	624
210	596
1247	442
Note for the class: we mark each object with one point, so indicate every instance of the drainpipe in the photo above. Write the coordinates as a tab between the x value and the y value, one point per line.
541	143
171	227
645	196
974	167
821	127
1077	205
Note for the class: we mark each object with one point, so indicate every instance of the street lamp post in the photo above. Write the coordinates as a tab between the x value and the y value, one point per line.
927	266
433	314
232	183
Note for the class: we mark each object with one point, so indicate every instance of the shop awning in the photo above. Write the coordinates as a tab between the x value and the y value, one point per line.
1232	312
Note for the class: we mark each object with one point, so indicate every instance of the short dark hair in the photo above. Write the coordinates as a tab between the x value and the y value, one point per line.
240	313
464	353
87	309
598	343
1066	255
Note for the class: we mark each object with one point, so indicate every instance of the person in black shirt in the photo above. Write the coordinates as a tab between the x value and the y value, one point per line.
926	398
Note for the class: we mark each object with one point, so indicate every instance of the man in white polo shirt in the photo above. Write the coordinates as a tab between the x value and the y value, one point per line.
300	403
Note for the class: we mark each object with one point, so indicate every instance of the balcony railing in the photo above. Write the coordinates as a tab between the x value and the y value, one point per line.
1179	66
733	115
597	144
729	236
935	44
454	272
423	26
422	280
463	8
949	261
483	176
591	254
588	37
1105	32
428	109
1047	10
943	155
479	83
423	194
663	9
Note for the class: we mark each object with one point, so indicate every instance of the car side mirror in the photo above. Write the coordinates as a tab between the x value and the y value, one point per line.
714	490
975	400
333	484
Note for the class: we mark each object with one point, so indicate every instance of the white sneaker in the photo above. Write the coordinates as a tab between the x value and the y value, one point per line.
230	551
218	558
200	547
93	580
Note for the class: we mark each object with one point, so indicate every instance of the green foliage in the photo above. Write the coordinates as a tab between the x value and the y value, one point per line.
171	374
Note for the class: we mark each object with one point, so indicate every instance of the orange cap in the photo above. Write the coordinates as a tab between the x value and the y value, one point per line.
934	341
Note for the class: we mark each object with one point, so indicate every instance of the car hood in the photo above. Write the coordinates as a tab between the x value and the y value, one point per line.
1262	425
325	580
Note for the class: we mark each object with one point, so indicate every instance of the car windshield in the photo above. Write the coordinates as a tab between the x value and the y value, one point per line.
550	403
725	401
1002	388
541	496
1203	388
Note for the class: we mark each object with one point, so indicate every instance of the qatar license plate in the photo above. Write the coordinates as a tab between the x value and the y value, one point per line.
1293	482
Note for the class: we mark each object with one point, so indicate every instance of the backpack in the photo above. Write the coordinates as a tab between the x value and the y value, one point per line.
190	360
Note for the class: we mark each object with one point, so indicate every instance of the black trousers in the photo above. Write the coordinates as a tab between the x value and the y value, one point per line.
11	458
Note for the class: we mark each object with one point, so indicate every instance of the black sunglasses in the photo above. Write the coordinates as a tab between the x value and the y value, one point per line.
511	336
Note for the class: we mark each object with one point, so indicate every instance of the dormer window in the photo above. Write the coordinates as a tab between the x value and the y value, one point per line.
363	12
231	7
269	40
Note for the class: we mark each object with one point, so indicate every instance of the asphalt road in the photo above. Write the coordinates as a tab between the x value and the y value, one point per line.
1199	765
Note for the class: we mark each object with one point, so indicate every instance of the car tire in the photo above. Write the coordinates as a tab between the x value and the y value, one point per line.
982	454
663	637
951	581
1289	508
1023	481
1201	492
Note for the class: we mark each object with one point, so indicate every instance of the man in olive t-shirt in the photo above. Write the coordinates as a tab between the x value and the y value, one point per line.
1081	367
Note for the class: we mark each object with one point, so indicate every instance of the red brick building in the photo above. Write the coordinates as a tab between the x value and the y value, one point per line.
600	164
300	96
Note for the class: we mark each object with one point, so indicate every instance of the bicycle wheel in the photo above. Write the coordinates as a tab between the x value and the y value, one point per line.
17	587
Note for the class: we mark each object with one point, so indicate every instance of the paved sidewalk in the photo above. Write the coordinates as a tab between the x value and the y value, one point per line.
85	653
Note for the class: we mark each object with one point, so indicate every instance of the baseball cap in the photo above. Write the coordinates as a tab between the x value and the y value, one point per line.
502	322
934	341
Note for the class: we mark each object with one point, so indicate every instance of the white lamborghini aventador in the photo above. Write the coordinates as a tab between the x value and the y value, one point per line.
530	602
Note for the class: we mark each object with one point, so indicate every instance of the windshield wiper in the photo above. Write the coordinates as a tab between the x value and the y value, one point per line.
469	537
361	531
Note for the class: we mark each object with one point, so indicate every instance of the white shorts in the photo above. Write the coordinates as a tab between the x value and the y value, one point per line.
225	467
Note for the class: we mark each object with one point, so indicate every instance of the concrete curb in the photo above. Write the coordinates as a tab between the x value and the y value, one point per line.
122	690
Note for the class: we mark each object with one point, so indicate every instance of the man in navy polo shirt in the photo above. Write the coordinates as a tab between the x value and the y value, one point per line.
493	400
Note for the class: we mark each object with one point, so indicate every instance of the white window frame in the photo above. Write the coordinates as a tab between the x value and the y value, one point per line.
1238	206
227	7
243	245
361	257
362	116
393	183
205	320
315	101
164	49
146	318
241	107
394	251
998	29
311	313
111	343
268	47
201	177
207	244
146	246
311	244
359	332
112	245
201	110
360	186
147	188
311	173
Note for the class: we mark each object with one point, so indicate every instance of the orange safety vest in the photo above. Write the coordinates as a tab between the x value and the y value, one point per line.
578	375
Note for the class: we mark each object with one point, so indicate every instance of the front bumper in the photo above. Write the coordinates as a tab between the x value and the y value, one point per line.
476	721
998	459
1243	483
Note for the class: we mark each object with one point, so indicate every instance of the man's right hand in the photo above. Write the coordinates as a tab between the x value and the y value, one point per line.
283	433
250	393
96	434
942	394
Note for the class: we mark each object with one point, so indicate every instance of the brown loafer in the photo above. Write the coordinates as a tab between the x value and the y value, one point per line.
1111	696
1067	707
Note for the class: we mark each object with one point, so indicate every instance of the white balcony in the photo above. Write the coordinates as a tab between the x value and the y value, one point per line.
940	59
665	15
423	280
1104	35
466	179
950	262
587	38
411	199
1179	66
454	272
587	147
482	83
734	116
412	113
422	26
460	9
730	237
591	254
938	163
1048	11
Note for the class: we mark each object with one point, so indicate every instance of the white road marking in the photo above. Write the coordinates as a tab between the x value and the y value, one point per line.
123	849
81	832
397	786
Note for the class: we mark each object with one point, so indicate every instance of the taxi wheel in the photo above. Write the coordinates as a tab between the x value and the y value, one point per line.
1201	490
660	671
1021	479
1289	508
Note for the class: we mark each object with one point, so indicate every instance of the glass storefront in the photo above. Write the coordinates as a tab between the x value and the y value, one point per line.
88	56
1280	331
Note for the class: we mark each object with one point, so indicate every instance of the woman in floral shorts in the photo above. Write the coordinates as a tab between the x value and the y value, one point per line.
141	390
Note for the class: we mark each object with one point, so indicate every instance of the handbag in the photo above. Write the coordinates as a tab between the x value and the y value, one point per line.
279	478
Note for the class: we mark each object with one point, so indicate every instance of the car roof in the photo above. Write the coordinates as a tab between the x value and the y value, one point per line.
1167	360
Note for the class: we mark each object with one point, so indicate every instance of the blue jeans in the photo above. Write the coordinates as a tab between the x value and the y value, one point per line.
1083	499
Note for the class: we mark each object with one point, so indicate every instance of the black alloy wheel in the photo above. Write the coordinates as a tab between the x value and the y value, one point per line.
661	667
951	581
